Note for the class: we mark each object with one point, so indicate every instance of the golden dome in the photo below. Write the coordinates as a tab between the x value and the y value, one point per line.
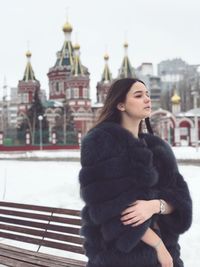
28	54
125	44
77	46
67	27
106	56
175	98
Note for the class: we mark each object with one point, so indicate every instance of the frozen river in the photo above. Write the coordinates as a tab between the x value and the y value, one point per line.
56	184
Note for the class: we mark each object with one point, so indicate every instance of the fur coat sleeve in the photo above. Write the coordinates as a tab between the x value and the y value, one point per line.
171	187
111	180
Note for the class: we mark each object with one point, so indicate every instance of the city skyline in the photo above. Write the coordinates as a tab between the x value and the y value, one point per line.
154	31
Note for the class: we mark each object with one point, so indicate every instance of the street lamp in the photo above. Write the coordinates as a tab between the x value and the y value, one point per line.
40	118
196	127
64	124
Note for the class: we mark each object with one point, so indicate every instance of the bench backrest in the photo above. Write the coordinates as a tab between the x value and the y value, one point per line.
44	226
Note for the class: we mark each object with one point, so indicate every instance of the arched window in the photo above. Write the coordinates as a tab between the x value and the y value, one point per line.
68	93
85	93
57	87
76	92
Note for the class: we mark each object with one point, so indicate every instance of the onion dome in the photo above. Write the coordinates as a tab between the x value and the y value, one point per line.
28	54
125	45
67	27
106	56
77	46
175	99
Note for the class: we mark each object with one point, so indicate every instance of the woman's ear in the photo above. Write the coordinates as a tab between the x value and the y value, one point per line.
121	107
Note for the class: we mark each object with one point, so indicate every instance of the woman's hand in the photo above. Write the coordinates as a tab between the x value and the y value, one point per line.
164	257
140	211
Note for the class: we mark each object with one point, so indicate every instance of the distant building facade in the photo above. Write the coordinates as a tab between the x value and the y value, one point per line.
146	74
179	75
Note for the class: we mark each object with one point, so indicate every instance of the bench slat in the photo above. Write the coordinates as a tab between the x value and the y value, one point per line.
40	208
13	257
54	227
40	255
45	234
45	243
12	263
61	237
41	217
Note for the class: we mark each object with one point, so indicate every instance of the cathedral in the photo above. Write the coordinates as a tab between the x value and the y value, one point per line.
69	107
69	86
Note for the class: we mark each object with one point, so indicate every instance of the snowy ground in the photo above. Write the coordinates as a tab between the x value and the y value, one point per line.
56	184
181	153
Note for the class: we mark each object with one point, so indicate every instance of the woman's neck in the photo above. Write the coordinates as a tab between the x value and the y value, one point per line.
131	126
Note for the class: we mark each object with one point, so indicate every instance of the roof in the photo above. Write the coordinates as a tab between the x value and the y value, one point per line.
126	70
52	104
106	76
190	113
65	55
29	73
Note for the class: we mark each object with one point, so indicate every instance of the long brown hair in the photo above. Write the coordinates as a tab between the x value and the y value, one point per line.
116	94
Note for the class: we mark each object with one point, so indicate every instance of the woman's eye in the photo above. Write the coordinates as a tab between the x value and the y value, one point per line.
138	96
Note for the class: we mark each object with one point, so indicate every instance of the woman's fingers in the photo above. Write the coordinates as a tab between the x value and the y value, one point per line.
130	221
128	210
131	207
137	213
134	221
129	215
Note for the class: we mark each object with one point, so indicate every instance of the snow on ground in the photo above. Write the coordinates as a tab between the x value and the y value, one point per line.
180	153
190	241
49	154
187	152
56	184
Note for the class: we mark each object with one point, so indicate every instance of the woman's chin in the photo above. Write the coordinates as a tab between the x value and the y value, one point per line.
147	115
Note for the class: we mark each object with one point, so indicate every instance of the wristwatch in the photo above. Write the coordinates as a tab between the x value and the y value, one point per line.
162	207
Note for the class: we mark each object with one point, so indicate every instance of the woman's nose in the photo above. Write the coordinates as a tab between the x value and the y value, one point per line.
147	99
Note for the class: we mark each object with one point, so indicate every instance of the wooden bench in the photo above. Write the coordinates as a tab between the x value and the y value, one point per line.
42	226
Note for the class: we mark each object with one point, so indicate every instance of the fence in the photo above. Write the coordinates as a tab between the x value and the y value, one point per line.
23	138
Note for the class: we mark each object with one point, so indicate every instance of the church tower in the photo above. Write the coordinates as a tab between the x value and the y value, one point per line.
105	83
62	69
69	82
126	70
27	86
78	93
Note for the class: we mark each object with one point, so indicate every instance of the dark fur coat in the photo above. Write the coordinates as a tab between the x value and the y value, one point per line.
118	169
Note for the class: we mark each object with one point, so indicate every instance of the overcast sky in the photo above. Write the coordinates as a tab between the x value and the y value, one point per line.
155	30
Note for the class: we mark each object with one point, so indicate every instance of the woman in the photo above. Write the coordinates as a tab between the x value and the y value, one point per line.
137	202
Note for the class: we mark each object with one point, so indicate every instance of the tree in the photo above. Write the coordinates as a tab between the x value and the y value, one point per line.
66	132
70	133
31	121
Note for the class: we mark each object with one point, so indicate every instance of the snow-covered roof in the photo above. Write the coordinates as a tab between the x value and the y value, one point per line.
193	112
53	104
190	113
97	105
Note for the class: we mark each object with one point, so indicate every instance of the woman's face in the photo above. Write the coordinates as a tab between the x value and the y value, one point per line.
137	104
